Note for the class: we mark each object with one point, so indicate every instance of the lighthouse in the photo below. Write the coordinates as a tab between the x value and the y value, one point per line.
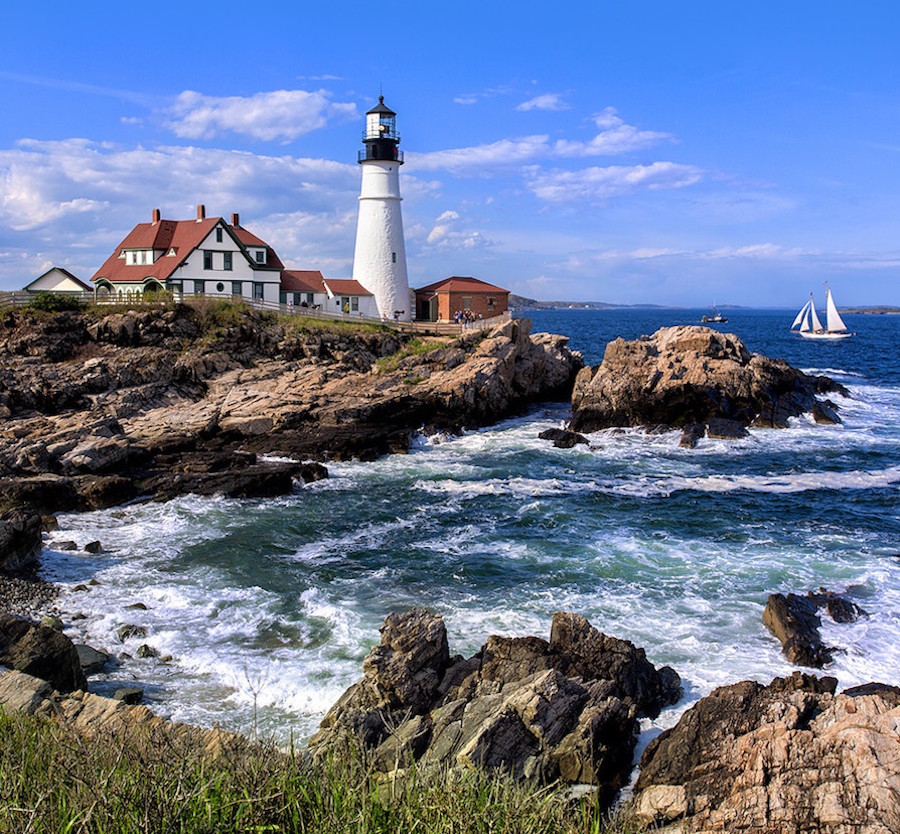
379	260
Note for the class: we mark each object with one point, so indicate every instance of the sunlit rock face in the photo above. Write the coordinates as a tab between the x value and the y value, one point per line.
688	376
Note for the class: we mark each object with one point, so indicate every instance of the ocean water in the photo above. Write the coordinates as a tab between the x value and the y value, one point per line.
262	611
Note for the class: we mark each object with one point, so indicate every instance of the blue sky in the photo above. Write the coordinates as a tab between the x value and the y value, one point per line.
679	153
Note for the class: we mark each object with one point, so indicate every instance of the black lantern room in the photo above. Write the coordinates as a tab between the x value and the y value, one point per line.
380	137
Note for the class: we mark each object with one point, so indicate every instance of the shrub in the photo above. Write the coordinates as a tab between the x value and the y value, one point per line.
52	302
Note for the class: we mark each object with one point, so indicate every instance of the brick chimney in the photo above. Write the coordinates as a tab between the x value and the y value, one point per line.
156	216
235	220
201	212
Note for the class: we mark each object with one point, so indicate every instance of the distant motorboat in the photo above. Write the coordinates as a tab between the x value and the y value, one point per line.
810	327
714	317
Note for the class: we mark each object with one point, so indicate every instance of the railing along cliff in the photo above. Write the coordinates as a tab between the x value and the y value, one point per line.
20	298
434	328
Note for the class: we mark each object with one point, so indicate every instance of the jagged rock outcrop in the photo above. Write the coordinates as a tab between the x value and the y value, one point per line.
697	379
790	756
20	538
40	651
795	621
565	709
168	401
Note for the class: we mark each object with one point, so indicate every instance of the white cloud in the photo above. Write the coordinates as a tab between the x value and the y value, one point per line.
547	101
448	234
281	115
759	251
599	184
481	159
72	201
615	137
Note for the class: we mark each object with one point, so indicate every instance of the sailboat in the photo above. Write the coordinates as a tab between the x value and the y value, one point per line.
810	326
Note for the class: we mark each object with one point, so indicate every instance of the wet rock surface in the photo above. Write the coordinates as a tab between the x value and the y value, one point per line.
795	621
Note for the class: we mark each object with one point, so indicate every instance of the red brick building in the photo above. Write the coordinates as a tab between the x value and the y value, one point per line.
443	299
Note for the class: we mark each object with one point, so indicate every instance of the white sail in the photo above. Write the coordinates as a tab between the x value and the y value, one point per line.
810	326
801	315
832	316
816	324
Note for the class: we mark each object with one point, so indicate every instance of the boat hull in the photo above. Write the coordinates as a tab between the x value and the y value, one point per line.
809	334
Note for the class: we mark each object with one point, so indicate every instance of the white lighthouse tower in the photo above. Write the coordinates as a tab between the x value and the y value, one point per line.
379	260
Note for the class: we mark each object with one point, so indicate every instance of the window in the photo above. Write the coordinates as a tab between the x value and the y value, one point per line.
219	234
237	288
220	287
258	291
260	256
393	257
199	287
227	264
207	259
354	304
491	303
467	302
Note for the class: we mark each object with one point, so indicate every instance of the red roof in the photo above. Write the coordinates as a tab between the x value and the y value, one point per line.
458	283
345	286
180	236
302	280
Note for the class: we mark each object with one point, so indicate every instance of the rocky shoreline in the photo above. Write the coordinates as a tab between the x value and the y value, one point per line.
791	755
149	405
28	596
99	409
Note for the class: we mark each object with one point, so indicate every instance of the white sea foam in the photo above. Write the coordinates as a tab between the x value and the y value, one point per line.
799	482
267	608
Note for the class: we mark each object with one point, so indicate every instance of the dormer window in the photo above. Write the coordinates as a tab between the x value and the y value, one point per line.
260	256
134	257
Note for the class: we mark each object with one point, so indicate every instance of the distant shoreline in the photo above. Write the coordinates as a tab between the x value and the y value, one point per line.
520	303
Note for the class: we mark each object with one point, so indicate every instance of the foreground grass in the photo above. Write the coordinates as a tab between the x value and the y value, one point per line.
52	781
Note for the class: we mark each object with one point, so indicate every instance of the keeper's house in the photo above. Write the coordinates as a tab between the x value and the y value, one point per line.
58	280
307	288
204	256
442	300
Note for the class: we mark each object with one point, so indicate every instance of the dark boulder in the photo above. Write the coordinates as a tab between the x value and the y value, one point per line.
563	438
40	651
20	538
795	621
721	428
92	661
